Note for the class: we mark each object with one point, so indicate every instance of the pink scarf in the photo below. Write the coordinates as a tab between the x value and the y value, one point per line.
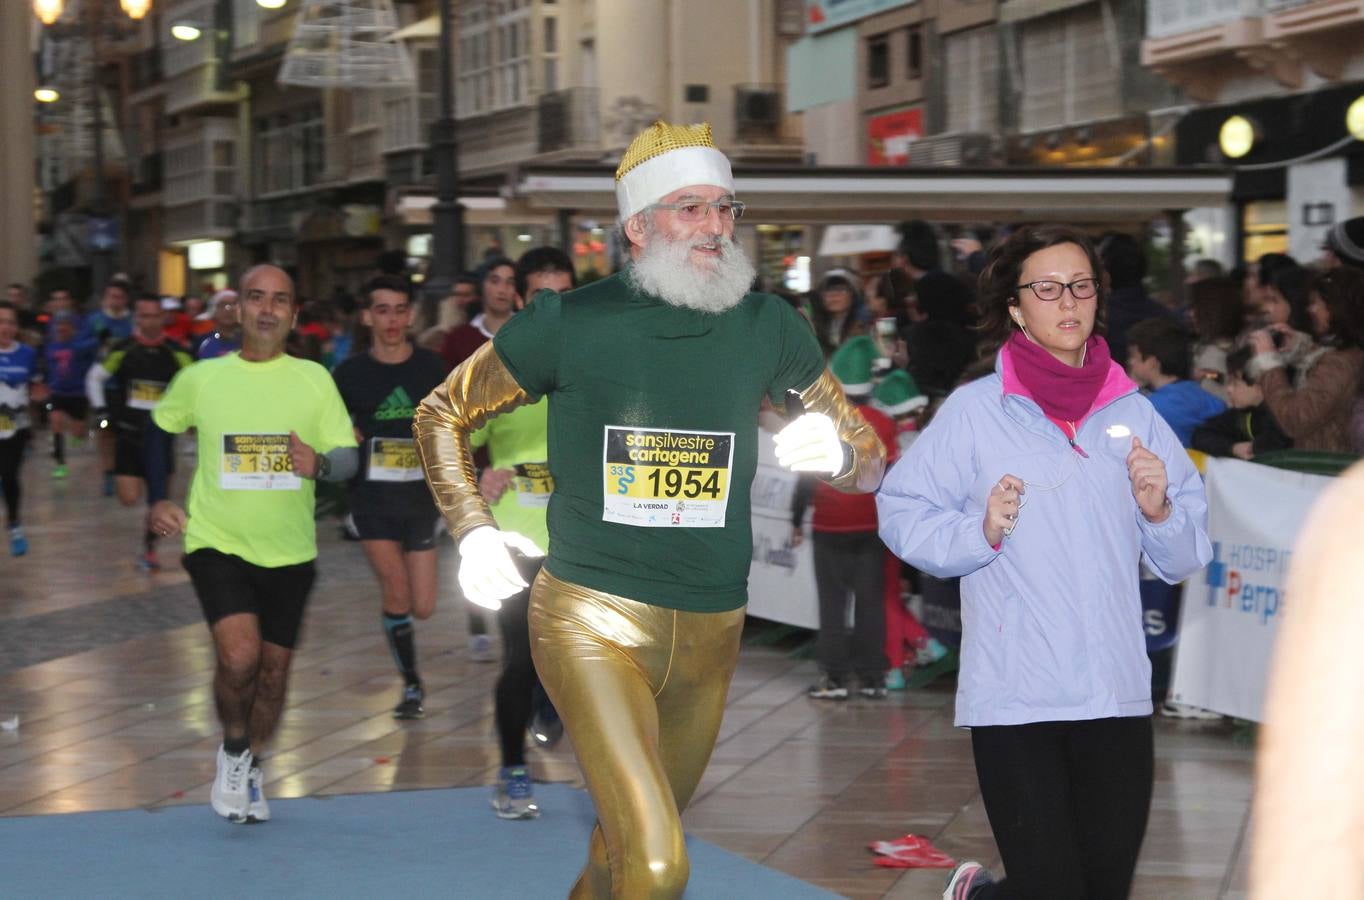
1063	392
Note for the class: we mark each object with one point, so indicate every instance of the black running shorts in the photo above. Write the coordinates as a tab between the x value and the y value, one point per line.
128	457
75	407
228	585
414	533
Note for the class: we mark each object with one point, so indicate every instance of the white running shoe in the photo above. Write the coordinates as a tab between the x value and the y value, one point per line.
258	810
230	795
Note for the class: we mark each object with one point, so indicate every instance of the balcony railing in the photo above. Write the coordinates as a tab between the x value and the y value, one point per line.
1170	17
407	121
201	220
569	120
364	160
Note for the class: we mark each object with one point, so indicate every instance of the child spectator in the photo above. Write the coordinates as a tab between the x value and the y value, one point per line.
1248	428
898	397
1159	358
849	556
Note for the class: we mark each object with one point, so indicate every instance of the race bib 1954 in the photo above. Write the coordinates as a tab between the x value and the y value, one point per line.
657	478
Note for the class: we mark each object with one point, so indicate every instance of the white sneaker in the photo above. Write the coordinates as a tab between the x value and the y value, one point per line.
230	795
258	810
481	649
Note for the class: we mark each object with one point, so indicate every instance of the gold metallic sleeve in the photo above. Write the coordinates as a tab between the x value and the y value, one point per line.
478	389
868	454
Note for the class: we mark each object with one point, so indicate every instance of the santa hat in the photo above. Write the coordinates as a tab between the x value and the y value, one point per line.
852	365
664	158
898	395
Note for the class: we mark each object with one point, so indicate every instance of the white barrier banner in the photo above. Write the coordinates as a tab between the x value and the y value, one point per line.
781	580
1231	614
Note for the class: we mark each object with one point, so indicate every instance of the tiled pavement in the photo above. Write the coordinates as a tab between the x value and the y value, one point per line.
108	670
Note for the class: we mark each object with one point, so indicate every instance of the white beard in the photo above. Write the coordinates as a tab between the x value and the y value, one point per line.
666	270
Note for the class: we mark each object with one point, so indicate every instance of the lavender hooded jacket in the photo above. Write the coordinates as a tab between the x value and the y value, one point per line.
1052	621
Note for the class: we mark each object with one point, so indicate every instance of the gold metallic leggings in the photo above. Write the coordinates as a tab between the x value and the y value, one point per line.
641	690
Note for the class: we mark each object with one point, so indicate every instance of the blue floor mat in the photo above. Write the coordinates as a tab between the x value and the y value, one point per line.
435	843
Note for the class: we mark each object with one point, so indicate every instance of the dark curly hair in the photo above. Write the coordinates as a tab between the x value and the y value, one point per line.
1342	290
1003	268
1218	308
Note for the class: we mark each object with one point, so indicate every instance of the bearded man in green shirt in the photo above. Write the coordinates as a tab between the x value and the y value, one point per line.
655	377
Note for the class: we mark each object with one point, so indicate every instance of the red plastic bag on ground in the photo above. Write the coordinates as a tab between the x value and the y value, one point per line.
910	852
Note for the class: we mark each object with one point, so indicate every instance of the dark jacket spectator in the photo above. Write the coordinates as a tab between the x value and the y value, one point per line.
939	344
1316	407
1128	303
1247	429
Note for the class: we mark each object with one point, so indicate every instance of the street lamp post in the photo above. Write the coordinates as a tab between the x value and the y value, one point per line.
100	235
447	238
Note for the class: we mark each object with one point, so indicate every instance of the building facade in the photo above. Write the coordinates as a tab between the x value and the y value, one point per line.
1292	73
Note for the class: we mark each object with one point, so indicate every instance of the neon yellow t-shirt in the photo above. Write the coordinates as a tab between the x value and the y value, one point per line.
245	499
519	440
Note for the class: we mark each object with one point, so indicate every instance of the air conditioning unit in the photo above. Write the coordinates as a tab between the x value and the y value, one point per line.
963	149
757	106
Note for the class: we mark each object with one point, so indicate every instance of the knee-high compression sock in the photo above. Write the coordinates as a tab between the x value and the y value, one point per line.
402	641
59	448
149	541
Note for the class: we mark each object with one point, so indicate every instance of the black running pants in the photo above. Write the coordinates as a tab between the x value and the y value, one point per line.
1068	803
517	680
11	455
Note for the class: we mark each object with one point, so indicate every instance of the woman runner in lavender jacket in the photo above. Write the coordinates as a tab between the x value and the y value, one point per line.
1042	487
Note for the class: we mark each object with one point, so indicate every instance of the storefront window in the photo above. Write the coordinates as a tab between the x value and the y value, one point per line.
1265	225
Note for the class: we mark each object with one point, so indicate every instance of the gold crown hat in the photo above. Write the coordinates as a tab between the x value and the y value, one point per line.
664	158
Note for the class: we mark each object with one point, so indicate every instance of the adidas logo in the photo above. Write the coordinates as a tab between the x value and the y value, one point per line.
396	406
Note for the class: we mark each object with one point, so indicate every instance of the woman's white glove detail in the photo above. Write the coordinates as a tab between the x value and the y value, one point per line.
810	444
487	572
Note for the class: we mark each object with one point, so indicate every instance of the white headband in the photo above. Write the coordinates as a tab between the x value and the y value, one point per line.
656	178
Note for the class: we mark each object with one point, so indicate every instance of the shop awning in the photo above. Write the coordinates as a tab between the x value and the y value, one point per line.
867	195
850	240
421	29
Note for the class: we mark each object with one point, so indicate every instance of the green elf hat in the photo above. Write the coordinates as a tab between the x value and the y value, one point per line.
852	365
898	395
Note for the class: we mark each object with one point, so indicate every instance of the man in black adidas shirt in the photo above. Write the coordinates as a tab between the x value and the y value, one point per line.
390	502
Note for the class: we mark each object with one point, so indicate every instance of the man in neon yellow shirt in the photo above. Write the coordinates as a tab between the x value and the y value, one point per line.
517	486
268	425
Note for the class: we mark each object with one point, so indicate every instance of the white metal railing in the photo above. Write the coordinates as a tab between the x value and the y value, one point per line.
202	219
1170	17
407	121
201	163
365	162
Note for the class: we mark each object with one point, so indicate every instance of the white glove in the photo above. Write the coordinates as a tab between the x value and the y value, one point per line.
810	444
487	572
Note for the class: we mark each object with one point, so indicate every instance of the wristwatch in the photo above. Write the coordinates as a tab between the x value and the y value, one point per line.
324	467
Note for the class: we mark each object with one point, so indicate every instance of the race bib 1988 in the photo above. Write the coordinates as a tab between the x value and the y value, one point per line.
257	462
656	478
394	459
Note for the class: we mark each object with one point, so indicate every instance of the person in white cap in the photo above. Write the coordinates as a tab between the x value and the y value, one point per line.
655	377
226	335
